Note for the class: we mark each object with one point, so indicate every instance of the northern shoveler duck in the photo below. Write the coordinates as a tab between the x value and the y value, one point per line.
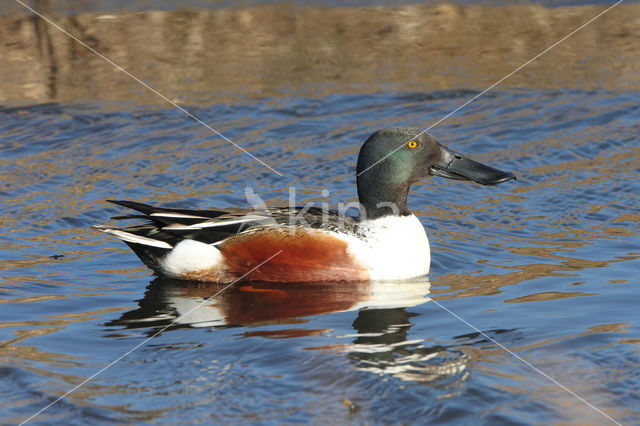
385	242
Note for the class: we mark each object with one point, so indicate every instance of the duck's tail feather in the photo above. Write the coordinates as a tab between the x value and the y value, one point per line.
149	250
135	238
150	256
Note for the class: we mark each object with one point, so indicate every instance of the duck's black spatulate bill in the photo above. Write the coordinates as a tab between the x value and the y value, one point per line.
456	166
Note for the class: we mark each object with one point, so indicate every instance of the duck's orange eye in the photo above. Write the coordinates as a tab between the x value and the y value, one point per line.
412	144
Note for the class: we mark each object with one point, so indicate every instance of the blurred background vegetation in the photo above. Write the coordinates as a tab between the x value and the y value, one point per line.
201	51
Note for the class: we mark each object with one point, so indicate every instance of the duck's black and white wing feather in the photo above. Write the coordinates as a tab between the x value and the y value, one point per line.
166	227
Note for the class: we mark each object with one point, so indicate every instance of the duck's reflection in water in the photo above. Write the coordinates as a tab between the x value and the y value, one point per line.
379	343
382	346
185	302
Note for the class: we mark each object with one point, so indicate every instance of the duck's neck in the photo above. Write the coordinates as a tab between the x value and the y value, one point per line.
379	197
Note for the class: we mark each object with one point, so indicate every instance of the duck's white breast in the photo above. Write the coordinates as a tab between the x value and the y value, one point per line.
392	247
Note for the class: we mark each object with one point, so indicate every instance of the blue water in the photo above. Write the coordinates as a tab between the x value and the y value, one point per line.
545	265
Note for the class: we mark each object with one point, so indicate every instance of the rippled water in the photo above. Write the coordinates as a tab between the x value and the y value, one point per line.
545	265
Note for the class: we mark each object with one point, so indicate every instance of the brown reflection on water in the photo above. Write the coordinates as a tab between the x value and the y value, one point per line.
472	284
550	356
379	343
591	174
255	303
556	246
14	351
205	55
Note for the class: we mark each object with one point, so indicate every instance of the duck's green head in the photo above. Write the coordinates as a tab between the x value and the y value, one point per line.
392	159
